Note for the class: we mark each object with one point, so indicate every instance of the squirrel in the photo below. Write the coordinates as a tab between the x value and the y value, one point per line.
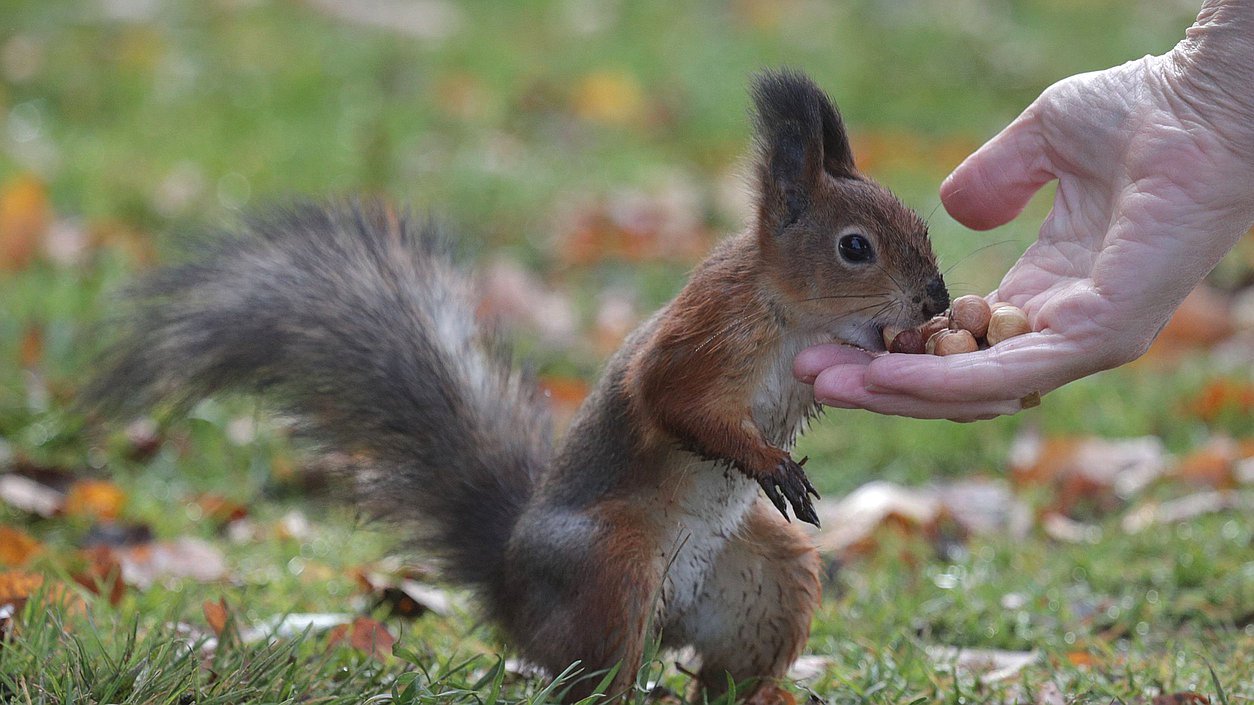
645	520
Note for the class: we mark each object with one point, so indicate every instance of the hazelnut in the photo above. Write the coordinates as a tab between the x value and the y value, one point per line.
939	323
1006	322
932	340
890	334
909	341
955	343
971	313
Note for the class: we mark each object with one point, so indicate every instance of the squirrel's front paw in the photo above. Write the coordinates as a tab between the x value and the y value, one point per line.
789	481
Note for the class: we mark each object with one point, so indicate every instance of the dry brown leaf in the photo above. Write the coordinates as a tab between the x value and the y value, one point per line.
1088	475
102	573
1182	698
16	547
219	509
216	615
365	635
97	499
24	217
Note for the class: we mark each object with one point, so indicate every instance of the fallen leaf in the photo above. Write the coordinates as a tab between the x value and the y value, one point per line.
609	96
186	557
1049	694
1088	476
29	496
810	667
404	595
97	499
365	635
1182	698
939	513
987	665
1214	464
31	351
1185	508
216	615
510	295
1066	530
218	509
665	222
102	574
24	217
1203	319
563	395
17	587
16	547
290	625
1222	397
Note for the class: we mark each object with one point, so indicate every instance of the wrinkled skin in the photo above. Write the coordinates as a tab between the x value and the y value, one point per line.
1155	167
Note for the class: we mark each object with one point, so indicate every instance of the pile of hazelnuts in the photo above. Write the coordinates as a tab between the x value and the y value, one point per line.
970	324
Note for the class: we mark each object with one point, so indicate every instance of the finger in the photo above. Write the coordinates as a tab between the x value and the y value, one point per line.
857	396
993	185
811	361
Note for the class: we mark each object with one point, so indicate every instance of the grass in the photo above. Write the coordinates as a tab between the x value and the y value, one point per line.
146	127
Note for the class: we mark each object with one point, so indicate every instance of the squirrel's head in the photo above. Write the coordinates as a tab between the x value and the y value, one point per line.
843	254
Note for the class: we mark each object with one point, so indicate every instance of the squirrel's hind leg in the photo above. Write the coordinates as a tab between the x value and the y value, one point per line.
591	599
753	617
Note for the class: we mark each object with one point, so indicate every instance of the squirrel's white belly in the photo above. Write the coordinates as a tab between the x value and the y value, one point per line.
709	511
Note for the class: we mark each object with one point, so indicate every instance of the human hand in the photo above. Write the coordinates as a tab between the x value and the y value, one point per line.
1155	167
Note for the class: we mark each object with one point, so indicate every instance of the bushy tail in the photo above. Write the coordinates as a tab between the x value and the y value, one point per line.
354	321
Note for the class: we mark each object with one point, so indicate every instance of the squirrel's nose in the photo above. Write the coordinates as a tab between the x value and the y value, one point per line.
937	297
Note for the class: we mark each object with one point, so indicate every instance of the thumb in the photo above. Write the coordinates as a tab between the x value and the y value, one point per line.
993	185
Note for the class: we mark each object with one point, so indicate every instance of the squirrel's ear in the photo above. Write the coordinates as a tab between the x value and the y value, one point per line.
799	135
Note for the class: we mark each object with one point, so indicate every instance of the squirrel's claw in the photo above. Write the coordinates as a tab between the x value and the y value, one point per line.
790	480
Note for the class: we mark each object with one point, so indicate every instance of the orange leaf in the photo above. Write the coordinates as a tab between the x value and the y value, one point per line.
24	218
608	96
94	498
219	509
372	638
31	351
1212	465
16	587
16	546
216	615
103	574
1222	396
1203	319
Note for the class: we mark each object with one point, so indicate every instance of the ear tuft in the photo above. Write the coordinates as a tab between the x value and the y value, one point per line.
799	135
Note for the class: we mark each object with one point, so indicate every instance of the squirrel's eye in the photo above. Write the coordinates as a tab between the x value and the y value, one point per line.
855	248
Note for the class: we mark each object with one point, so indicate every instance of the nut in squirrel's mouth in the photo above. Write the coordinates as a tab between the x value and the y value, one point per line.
868	337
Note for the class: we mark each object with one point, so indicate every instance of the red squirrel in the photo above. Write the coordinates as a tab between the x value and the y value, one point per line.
663	510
